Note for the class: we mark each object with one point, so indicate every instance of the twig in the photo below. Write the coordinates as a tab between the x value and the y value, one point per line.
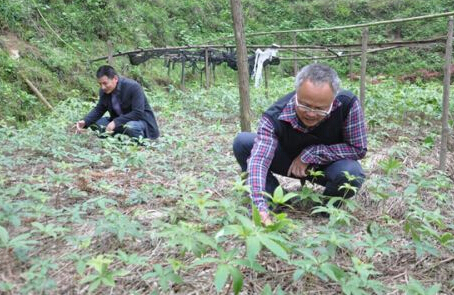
439	263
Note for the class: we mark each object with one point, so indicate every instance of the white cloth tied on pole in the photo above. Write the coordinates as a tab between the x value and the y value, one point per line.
260	58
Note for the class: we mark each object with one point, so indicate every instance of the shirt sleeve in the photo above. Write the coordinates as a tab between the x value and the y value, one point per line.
354	148
96	113
260	160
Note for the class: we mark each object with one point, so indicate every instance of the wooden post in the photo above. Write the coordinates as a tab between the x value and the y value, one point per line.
242	63
213	70
183	65
169	64
207	70
110	53
362	90
350	67
267	73
295	62
446	85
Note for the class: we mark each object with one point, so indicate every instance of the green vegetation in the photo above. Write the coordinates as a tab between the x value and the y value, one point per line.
79	214
87	214
56	38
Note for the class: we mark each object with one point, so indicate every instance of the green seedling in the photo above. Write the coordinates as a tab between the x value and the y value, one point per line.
102	274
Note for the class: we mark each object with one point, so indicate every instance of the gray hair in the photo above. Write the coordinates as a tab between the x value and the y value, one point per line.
318	74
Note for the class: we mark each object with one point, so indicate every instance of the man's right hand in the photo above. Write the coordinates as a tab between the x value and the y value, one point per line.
80	126
266	218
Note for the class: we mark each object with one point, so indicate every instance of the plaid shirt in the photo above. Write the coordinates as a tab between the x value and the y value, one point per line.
265	144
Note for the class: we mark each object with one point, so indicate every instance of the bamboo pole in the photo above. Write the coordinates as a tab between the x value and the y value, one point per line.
446	85
340	56
362	90
37	92
365	25
242	62
165	50
295	62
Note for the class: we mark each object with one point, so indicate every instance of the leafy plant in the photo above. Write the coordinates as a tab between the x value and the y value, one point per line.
414	287
165	276
102	273
20	244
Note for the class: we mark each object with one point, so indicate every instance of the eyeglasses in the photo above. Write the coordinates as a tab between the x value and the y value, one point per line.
305	108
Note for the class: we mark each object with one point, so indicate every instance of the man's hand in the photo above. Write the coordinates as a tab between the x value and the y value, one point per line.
265	217
297	168
110	127
80	126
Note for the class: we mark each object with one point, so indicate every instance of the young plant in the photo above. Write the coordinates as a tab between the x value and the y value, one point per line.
102	273
37	277
20	244
414	287
228	266
279	198
188	237
165	276
50	230
256	237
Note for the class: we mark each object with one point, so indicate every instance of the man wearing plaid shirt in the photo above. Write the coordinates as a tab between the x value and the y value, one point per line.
316	126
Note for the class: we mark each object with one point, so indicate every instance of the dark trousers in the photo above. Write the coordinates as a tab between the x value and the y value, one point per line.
332	180
131	128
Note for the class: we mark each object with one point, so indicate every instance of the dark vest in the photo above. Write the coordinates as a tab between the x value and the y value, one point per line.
328	132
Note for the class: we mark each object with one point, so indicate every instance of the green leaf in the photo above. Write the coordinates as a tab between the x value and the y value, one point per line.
253	247
89	278
246	222
80	267
254	265
298	274
222	273
4	236
267	290
273	247
205	260
256	216
333	271
433	290
446	238
108	280
278	193
94	285
237	279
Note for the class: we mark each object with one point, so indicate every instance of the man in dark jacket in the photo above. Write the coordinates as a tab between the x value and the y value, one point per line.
317	126
127	105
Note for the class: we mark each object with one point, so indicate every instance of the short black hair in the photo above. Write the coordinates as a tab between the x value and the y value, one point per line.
107	71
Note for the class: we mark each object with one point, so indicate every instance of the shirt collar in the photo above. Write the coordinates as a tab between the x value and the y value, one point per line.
288	114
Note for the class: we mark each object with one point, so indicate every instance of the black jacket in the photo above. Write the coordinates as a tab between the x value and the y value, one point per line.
134	106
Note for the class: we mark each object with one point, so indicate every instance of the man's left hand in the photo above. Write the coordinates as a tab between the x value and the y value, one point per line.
298	168
110	127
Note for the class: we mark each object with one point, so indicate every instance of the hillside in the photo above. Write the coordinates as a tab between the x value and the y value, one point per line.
55	39
94	214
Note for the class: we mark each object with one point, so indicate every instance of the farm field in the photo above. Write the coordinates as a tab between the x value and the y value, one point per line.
81	214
